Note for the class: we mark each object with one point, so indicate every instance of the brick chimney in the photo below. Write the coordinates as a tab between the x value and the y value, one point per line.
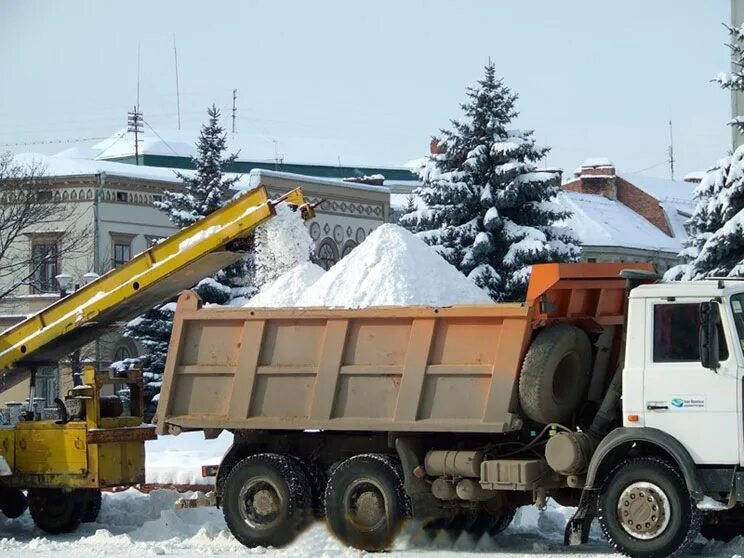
598	177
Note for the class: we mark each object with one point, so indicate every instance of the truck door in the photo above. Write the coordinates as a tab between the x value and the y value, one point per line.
696	405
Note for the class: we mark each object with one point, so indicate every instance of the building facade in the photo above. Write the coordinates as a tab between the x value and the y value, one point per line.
114	217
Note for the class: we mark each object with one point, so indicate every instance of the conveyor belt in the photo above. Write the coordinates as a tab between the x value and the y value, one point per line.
124	293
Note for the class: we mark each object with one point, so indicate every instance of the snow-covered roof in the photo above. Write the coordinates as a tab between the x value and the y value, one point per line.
400	201
249	147
599	221
597	162
694	176
678	214
255	176
55	166
415	164
661	188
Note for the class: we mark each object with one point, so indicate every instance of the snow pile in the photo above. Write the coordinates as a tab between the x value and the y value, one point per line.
281	243
392	267
179	459
287	289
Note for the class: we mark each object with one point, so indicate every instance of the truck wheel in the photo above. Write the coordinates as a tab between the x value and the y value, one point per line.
499	522
317	481
54	511
645	509
265	500
555	373
365	502
13	502
93	501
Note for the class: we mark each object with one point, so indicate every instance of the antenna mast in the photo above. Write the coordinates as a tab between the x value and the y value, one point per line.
234	109
178	96
671	149
134	124
138	78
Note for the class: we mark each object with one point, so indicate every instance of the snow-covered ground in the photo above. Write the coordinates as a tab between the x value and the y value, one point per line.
179	459
135	524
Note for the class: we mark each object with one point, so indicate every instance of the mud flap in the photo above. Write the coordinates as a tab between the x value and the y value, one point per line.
577	528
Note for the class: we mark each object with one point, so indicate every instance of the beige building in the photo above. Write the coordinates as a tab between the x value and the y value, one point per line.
112	211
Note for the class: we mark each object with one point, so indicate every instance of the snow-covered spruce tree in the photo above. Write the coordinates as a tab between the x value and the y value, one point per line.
489	211
203	192
715	246
153	330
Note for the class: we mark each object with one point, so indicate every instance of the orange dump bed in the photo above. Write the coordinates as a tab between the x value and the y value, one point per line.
377	369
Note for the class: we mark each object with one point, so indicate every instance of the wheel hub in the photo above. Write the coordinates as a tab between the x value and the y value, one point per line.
369	508
366	505
265	502
643	510
260	504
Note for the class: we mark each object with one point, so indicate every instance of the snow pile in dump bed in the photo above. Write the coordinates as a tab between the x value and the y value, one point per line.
287	289
179	459
392	267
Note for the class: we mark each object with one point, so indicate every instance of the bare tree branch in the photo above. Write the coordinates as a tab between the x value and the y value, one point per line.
28	208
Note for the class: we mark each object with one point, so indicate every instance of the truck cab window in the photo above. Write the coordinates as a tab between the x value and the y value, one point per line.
676	330
737	305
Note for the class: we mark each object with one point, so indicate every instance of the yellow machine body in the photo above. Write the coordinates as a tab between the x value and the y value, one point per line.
92	452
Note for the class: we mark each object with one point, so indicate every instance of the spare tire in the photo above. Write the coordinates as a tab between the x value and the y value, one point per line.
555	373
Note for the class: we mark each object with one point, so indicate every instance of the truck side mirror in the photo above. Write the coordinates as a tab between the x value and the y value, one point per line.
709	348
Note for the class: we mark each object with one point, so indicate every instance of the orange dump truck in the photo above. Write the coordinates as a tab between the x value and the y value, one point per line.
455	416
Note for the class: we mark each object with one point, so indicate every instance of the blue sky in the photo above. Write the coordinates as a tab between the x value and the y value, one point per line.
593	78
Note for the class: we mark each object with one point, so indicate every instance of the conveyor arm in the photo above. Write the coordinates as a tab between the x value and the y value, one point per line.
152	277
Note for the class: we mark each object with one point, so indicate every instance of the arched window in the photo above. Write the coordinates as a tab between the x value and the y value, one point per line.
122	353
327	253
348	247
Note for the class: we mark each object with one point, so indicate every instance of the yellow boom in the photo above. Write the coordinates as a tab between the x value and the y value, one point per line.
123	293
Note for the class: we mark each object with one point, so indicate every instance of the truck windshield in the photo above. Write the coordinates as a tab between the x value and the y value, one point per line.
737	305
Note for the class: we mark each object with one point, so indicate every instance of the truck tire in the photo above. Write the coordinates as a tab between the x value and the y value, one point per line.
265	500
645	509
499	522
92	505
54	511
317	481
555	374
365	502
13	502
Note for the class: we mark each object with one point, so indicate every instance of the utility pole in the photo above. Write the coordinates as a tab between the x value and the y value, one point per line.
671	150
234	109
134	124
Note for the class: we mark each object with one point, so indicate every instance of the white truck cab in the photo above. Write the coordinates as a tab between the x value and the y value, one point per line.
665	383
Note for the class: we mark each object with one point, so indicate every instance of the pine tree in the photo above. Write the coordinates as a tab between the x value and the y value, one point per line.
715	247
488	210
203	192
